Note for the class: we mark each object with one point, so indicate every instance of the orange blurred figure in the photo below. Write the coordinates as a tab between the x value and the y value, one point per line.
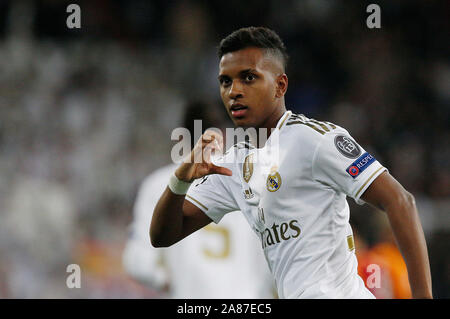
382	267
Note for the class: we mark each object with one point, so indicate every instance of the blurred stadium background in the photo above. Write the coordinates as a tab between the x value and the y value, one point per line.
86	114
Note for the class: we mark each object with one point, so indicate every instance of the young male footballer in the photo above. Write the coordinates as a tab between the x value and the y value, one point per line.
294	198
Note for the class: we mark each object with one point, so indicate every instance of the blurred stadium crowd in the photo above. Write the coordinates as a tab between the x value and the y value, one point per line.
86	114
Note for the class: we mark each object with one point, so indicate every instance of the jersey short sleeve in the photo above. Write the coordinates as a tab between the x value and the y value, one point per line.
211	195
344	165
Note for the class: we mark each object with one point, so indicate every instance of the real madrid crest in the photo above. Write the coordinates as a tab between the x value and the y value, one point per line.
273	182
247	170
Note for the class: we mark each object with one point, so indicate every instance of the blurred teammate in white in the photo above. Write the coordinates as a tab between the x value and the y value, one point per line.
220	261
291	188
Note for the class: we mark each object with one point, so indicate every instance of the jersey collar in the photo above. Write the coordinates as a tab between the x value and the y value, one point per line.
280	124
283	119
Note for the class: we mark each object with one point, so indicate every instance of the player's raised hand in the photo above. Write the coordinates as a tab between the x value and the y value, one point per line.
198	163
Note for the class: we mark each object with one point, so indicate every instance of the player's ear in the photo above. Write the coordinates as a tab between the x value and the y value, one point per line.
282	85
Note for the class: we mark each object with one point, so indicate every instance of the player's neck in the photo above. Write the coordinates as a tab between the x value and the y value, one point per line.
268	126
273	119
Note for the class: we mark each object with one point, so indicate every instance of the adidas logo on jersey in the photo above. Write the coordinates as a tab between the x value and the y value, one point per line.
248	194
278	233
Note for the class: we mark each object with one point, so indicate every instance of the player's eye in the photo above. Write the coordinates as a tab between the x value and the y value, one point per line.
249	77
224	81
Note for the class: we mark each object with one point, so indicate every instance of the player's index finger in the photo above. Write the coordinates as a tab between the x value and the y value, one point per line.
213	134
221	170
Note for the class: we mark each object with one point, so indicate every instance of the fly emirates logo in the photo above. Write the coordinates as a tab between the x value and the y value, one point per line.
277	233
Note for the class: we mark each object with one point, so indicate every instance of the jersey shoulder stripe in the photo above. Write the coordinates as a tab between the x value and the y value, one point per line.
321	127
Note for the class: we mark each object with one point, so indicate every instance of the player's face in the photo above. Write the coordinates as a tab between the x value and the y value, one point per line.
250	87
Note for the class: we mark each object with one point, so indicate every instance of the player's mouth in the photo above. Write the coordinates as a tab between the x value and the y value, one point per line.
238	110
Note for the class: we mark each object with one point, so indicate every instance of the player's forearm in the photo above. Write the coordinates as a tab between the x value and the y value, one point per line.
167	221
408	232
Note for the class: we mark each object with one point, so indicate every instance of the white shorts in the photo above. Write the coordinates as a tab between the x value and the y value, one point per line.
352	288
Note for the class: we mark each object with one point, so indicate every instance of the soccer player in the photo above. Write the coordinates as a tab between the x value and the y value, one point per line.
218	261
298	203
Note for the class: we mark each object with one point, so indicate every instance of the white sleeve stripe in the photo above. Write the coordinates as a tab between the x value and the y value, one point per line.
197	202
363	185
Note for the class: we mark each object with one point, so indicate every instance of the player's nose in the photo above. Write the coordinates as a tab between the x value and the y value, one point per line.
236	91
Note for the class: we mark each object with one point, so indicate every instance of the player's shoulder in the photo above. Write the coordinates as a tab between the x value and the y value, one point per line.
310	131
323	139
300	123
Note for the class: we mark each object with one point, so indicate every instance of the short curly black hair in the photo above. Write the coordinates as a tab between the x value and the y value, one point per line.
259	37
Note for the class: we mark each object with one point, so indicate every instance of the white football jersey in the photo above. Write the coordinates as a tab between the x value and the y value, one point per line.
218	261
293	193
